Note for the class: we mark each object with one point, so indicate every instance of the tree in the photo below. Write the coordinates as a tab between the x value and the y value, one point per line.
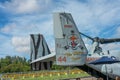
14	64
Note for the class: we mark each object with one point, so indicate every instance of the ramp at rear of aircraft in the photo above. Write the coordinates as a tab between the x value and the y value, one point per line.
70	48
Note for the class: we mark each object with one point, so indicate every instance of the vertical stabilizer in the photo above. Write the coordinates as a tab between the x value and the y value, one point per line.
39	49
70	48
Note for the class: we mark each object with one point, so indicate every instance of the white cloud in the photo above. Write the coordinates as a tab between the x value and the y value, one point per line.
20	41
92	14
8	28
28	27
21	44
111	46
117	34
27	6
23	49
6	48
21	29
95	16
114	48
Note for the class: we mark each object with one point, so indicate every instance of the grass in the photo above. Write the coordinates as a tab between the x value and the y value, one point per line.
57	77
47	75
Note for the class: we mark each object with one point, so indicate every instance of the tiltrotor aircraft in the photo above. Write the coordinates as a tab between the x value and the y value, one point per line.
70	49
96	52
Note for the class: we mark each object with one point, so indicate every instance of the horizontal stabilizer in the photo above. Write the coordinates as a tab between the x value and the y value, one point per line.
50	57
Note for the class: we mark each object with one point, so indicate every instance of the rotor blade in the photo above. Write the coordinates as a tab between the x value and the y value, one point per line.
87	36
105	41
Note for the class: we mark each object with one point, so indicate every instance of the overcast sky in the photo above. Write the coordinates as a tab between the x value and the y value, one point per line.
20	18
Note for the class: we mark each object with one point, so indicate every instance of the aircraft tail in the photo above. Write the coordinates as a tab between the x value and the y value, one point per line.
70	48
39	49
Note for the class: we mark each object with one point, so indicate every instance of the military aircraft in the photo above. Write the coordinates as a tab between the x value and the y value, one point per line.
71	50
96	52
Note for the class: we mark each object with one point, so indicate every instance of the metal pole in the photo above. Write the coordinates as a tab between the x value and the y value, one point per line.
106	71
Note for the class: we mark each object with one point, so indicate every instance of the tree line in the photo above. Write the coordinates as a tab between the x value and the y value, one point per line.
11	64
14	64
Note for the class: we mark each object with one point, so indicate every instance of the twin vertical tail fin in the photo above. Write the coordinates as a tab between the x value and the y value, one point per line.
39	49
70	48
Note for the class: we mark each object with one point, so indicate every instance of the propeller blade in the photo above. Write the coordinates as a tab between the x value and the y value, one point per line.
105	41
87	36
102	40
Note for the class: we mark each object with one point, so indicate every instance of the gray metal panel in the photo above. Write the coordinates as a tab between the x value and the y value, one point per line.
39	47
58	29
50	57
70	49
69	56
